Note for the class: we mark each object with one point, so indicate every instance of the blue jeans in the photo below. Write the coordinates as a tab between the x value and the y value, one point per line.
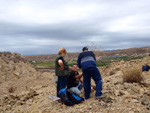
77	89
95	74
62	82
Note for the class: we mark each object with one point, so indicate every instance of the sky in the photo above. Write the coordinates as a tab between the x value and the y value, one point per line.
35	27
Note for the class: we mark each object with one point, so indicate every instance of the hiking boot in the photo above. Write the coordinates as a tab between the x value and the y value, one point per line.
101	97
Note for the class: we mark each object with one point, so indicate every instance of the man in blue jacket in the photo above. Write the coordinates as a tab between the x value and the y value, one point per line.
87	61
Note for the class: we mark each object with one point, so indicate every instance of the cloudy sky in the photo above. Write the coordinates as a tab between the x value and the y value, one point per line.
32	27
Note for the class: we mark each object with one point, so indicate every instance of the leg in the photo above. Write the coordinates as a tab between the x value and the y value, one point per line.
81	79
98	80
79	86
86	83
62	82
75	90
58	86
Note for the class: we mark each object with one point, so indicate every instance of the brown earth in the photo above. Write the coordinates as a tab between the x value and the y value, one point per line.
29	91
73	56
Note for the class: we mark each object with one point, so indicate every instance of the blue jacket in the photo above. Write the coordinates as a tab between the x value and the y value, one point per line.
86	59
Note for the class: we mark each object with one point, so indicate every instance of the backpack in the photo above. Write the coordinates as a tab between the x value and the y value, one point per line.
69	98
145	68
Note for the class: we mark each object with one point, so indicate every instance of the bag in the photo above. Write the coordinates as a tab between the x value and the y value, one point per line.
145	68
69	98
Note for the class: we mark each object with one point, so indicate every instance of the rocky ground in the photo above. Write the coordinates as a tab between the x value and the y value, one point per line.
29	91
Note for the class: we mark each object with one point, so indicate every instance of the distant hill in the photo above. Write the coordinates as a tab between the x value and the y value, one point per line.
73	56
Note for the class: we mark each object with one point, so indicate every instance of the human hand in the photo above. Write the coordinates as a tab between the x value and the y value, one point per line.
61	68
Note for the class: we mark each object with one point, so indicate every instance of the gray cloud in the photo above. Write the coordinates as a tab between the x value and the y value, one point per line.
44	27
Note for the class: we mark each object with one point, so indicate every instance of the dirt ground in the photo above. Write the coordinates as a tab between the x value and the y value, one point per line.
30	94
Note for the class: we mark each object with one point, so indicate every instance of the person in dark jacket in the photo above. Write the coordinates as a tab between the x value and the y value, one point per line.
87	61
74	83
61	70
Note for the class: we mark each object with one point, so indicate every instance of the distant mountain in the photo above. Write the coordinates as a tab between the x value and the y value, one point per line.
73	56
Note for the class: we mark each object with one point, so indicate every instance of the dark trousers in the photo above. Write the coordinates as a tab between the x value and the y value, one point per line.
95	74
62	82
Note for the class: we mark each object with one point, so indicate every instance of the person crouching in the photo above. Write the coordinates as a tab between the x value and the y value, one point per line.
75	80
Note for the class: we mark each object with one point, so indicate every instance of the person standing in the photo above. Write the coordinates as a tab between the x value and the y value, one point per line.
87	61
61	70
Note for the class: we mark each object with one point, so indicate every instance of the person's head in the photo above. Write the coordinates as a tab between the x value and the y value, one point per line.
75	68
85	49
62	51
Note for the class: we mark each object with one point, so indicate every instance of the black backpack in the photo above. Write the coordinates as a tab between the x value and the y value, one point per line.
145	68
69	98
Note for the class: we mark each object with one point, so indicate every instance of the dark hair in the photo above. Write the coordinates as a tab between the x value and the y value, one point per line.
85	48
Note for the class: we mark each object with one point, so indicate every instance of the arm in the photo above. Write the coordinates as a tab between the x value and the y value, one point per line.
78	76
81	80
79	62
60	62
94	56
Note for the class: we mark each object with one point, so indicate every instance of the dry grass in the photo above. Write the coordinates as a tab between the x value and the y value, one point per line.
132	75
11	89
112	72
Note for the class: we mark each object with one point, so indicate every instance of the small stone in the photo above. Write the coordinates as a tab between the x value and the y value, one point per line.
126	86
147	108
18	103
107	81
135	101
107	100
13	97
122	92
116	83
144	102
131	112
148	93
9	107
116	93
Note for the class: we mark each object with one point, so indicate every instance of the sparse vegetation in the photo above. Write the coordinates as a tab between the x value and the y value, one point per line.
18	95
112	72
11	89
42	63
108	61
132	75
99	63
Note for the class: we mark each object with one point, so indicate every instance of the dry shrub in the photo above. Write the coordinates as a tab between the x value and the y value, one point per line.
11	89
117	68
112	72
132	75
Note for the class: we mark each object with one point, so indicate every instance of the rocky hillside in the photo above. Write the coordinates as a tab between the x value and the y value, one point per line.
30	94
14	66
70	56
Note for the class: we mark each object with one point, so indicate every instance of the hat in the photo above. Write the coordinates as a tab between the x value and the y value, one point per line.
85	48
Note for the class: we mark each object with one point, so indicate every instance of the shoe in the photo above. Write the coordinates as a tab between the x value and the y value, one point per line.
102	96
87	98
